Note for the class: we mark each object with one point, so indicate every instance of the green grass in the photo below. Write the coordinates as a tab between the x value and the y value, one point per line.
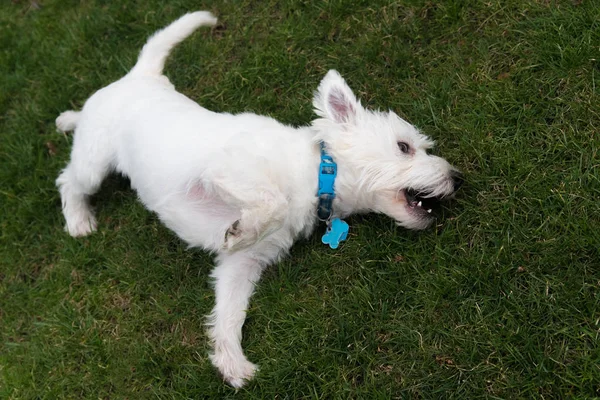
500	299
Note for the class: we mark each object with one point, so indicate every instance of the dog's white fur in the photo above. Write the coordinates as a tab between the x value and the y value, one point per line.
242	186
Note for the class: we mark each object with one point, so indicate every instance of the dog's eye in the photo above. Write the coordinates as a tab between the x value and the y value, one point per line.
403	146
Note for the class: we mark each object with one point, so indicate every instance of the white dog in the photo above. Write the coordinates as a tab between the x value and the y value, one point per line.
243	186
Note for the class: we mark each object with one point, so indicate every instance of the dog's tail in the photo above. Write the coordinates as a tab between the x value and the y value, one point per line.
154	53
67	121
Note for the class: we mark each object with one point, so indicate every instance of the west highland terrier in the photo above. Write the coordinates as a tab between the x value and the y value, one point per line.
245	186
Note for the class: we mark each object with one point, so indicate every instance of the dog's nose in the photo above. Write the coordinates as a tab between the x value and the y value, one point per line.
458	179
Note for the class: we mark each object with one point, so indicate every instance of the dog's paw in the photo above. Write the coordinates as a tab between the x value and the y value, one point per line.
233	231
236	372
232	235
237	238
82	226
241	375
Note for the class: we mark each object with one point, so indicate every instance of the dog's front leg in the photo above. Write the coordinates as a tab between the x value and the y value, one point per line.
263	209
235	276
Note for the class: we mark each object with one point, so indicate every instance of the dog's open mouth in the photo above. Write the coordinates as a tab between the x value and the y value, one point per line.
418	203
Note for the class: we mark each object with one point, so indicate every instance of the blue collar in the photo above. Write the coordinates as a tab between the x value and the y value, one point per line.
337	230
326	193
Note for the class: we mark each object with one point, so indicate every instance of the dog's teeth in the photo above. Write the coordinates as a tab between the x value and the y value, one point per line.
420	203
429	211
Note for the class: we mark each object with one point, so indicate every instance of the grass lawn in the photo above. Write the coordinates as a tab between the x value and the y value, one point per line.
501	299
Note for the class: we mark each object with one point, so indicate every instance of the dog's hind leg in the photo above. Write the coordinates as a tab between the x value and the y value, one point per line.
235	276
76	183
91	159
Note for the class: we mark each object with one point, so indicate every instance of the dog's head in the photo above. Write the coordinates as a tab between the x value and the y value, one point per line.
384	165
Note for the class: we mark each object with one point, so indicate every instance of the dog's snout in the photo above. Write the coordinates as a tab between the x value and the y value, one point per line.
458	179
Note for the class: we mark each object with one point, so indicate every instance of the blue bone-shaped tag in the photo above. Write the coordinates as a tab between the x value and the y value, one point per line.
337	232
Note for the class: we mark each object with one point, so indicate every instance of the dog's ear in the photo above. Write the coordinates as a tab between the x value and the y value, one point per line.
334	99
